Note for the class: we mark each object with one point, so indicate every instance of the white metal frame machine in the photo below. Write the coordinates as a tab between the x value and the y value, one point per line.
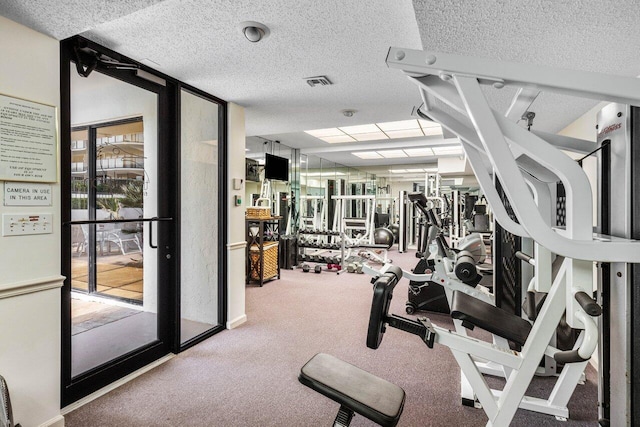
527	164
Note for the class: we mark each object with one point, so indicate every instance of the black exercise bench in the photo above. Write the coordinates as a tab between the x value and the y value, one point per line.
354	389
474	312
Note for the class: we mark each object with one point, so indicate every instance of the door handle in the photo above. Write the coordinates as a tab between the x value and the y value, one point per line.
151	245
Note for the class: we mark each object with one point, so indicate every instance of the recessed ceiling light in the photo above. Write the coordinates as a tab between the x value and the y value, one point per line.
367	155
353	130
418	152
307	174
371	136
436	130
321	133
392	154
406	133
439	151
400	125
384	130
427	123
336	139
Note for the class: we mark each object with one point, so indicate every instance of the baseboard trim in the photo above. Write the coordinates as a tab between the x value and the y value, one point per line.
54	422
236	322
115	385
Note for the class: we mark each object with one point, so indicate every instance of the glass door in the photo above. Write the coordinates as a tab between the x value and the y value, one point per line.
121	273
200	200
108	182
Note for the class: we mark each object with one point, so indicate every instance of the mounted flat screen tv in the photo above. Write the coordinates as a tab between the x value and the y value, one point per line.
276	168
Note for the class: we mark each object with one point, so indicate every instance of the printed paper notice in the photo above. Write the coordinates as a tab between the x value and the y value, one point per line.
28	144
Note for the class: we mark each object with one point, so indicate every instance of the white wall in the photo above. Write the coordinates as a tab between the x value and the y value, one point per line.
30	265
199	193
236	248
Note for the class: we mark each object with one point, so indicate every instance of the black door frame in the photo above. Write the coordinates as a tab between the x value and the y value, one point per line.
73	389
222	218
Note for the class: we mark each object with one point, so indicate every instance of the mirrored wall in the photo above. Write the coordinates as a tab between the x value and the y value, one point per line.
304	199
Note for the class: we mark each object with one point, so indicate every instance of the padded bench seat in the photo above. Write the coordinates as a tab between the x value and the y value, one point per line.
490	318
357	390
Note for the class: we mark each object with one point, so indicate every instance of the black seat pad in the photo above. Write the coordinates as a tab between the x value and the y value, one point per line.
490	318
372	397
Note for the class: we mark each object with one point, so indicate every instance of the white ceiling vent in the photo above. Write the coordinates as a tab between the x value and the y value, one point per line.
318	81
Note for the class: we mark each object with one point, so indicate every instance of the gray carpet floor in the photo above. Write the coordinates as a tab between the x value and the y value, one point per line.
248	376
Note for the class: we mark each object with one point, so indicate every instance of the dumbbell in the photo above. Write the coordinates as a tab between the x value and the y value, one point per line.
351	268
317	269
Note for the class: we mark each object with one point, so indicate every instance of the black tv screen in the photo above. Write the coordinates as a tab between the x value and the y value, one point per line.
276	167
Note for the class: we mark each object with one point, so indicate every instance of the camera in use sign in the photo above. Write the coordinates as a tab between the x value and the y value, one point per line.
27	194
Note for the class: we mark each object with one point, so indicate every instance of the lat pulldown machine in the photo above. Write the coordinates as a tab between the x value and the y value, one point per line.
527	164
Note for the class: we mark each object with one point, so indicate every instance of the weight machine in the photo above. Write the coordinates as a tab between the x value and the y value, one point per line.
527	164
359	232
317	219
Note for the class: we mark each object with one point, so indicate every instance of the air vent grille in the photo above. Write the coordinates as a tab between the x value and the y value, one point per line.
318	81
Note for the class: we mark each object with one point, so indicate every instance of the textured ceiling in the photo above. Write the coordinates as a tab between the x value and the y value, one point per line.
65	18
200	42
589	35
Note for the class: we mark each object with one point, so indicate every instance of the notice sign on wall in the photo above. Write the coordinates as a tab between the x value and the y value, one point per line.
28	143
27	194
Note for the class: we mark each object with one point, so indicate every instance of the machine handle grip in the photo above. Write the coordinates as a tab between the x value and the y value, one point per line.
587	303
524	257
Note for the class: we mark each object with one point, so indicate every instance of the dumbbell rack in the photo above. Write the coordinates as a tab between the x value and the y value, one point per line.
327	246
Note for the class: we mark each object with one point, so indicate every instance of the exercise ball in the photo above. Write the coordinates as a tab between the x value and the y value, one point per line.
383	236
395	229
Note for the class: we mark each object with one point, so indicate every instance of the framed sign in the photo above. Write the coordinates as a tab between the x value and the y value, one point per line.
28	141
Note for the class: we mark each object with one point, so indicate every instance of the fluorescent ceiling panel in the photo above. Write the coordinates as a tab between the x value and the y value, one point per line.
400	125
398	170
432	131
418	152
392	154
406	133
335	139
371	136
438	151
368	155
353	130
415	170
327	173
321	133
427	123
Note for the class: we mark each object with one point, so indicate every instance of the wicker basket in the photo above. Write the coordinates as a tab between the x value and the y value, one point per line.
258	212
270	253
